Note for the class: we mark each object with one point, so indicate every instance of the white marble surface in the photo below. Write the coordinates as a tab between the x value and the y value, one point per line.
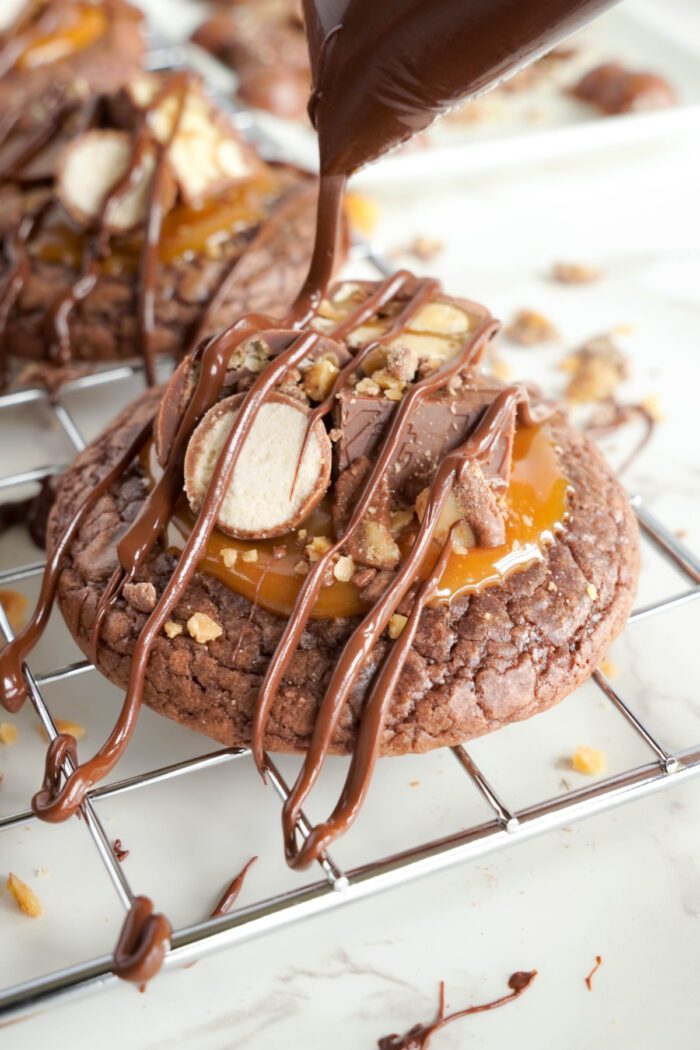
625	886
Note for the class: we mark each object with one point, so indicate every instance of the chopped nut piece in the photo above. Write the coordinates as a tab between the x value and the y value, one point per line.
15	606
597	368
591	592
440	318
25	898
64	725
551	586
140	596
529	327
363	212
8	733
302	568
499	368
74	729
379	548
608	668
400	519
575	273
318	546
172	629
302	533
229	556
652	405
425	248
588	760
203	629
344	569
393	394
402	362
396	625
251	555
335	434
367	386
319	379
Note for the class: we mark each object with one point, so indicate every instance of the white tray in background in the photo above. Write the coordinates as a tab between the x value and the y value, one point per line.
528	126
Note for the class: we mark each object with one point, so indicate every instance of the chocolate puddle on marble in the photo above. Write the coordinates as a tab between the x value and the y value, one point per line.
381	73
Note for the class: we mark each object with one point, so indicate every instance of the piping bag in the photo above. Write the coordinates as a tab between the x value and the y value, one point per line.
383	70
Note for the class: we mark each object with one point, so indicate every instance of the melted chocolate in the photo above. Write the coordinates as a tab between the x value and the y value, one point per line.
384	71
418	1038
119	852
230	894
613	415
142	943
588	979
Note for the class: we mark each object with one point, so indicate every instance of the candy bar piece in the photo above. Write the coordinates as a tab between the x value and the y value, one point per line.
438	425
272	489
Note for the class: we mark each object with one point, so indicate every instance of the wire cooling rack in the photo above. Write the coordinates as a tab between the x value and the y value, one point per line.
509	821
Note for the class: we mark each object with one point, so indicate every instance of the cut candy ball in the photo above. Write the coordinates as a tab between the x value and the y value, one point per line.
263	499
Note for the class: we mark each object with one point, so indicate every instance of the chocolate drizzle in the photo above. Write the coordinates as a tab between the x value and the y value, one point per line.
418	1038
142	943
364	124
230	894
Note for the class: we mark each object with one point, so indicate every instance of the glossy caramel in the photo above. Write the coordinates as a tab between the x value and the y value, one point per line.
80	27
535	508
185	230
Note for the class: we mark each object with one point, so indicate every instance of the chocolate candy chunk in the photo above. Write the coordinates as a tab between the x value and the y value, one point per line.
438	425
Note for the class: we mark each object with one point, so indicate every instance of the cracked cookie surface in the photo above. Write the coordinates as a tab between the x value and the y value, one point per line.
489	659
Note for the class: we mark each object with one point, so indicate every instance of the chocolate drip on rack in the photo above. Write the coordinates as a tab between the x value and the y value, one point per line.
142	943
232	891
418	1037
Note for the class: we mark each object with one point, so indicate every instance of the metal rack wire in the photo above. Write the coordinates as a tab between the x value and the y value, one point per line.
508	824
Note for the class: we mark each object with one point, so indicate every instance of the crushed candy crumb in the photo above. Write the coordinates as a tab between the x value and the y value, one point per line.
344	569
589	760
25	898
396	625
8	733
203	629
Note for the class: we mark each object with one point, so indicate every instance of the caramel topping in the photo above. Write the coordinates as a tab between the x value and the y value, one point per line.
79	28
535	504
185	229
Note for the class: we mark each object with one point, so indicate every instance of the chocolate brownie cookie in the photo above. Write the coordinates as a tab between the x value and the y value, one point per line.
53	52
507	642
227	233
264	43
